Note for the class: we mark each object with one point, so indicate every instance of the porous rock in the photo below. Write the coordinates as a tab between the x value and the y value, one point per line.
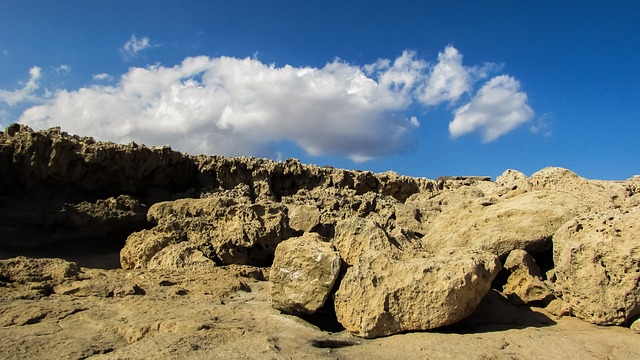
355	236
524	284
181	256
225	229
23	269
597	265
303	217
526	221
381	295
303	273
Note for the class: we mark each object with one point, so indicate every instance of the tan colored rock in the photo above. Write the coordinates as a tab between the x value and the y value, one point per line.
381	296
142	246
597	266
635	326
303	273
525	283
303	217
526	221
356	237
181	256
23	270
559	308
512	179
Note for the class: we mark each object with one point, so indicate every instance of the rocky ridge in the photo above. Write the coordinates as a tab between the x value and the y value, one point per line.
382	253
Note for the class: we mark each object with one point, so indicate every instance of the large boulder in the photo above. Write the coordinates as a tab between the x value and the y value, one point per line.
354	237
303	273
597	266
381	295
526	222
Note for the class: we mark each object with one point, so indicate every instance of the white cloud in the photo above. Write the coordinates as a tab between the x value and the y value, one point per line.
497	108
102	77
233	106
241	106
27	92
5	52
132	47
448	79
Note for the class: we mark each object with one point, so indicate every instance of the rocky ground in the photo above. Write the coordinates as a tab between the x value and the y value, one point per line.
129	252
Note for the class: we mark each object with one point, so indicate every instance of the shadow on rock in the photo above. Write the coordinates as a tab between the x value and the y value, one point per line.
496	313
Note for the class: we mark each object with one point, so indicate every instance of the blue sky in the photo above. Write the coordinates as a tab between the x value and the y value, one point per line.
424	88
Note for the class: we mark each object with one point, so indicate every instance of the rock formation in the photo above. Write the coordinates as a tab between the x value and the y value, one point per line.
386	253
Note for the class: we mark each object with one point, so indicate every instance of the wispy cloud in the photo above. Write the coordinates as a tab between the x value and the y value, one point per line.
542	125
26	93
62	69
134	45
496	109
102	77
5	52
234	106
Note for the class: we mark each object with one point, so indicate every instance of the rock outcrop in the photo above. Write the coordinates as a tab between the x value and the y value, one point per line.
388	253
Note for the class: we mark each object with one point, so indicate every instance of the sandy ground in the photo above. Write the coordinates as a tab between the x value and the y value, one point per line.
224	313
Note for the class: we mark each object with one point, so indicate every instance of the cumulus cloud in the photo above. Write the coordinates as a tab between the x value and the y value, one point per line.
241	106
234	106
448	80
497	108
27	92
134	45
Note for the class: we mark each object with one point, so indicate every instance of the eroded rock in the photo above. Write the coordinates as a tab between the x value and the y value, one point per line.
381	296
597	258
525	283
303	273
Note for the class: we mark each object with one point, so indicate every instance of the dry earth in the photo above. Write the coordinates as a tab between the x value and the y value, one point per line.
224	313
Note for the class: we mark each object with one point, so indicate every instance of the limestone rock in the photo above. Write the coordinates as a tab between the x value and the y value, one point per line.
526	221
303	273
381	296
635	326
597	265
22	270
226	229
303	217
181	256
142	246
525	283
355	237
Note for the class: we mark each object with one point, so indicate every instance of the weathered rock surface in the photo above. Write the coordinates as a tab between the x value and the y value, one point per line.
23	270
303	273
381	296
597	266
524	284
429	246
526	222
355	237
